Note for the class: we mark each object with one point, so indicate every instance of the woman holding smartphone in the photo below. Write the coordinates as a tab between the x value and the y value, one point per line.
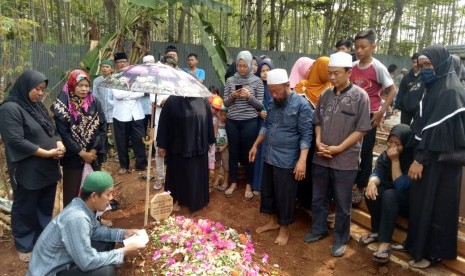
243	96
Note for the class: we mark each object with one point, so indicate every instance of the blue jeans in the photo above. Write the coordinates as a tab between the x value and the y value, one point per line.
241	136
340	182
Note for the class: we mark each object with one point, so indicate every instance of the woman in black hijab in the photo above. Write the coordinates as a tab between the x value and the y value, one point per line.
387	191
439	128
33	150
185	133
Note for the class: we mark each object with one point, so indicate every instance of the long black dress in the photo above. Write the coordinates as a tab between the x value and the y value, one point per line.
185	131
438	127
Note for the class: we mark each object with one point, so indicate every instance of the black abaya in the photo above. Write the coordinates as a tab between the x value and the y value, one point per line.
185	131
438	127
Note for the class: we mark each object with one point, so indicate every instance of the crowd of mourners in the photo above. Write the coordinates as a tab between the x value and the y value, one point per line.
304	140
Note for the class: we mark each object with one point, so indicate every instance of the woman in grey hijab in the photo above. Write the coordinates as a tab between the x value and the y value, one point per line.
243	96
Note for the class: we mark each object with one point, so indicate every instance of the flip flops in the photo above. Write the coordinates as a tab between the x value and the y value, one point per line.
398	247
357	197
424	263
229	192
24	257
367	239
220	187
248	195
382	260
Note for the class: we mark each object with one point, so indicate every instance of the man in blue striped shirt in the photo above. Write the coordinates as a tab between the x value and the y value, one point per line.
75	243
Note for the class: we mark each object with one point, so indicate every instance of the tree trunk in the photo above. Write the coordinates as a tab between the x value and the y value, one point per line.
259	12
273	46
283	9
427	33
59	21
451	26
373	13
399	10
112	10
182	20
170	23
328	20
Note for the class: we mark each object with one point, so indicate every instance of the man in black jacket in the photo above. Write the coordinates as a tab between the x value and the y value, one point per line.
410	93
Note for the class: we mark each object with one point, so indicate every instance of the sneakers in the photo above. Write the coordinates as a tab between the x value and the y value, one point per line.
6	204
159	183
337	250
122	171
310	237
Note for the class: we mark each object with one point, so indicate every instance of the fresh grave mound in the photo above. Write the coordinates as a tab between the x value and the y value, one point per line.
184	246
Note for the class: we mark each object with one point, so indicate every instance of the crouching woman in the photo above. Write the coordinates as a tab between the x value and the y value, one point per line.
387	192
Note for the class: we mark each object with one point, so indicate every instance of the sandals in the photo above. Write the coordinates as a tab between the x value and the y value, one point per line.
357	196
424	263
399	247
229	192
248	195
24	257
382	260
222	187
367	239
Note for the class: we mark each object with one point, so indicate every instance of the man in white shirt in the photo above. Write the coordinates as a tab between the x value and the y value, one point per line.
128	123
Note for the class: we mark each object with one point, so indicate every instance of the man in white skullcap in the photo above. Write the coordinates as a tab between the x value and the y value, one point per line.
148	59
341	119
287	135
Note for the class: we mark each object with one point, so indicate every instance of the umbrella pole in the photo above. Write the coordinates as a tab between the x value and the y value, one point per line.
149	163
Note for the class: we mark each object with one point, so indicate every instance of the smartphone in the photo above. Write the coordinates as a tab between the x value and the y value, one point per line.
238	86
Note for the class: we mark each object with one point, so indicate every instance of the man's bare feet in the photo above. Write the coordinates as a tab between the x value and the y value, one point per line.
283	235
272	224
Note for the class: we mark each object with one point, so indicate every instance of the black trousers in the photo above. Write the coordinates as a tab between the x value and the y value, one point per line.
405	118
241	136
384	211
72	183
108	270
279	189
133	130
366	159
31	212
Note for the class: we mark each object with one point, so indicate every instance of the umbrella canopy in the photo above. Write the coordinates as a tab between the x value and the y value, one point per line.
156	79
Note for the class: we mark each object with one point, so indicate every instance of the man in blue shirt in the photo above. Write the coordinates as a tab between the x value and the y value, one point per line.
75	243
192	69
287	134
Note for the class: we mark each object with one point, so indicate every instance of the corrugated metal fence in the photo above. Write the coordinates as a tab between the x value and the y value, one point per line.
54	60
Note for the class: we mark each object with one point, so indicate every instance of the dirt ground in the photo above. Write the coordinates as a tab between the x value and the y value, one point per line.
296	258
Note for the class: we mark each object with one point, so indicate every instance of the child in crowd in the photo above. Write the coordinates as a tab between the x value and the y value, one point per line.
372	76
222	153
215	102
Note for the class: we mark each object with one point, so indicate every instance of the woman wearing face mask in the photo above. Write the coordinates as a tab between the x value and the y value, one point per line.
439	128
33	149
81	124
387	191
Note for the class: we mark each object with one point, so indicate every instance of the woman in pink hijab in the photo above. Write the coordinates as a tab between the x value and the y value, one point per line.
300	70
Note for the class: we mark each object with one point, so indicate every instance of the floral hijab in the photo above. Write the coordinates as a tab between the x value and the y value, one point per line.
76	103
79	115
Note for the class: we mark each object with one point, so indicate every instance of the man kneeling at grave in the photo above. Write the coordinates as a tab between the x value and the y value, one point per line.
75	243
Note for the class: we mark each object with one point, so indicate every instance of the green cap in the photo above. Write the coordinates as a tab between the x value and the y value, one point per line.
97	181
108	62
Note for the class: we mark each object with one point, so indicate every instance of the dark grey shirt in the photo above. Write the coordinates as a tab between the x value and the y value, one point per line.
338	117
22	136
